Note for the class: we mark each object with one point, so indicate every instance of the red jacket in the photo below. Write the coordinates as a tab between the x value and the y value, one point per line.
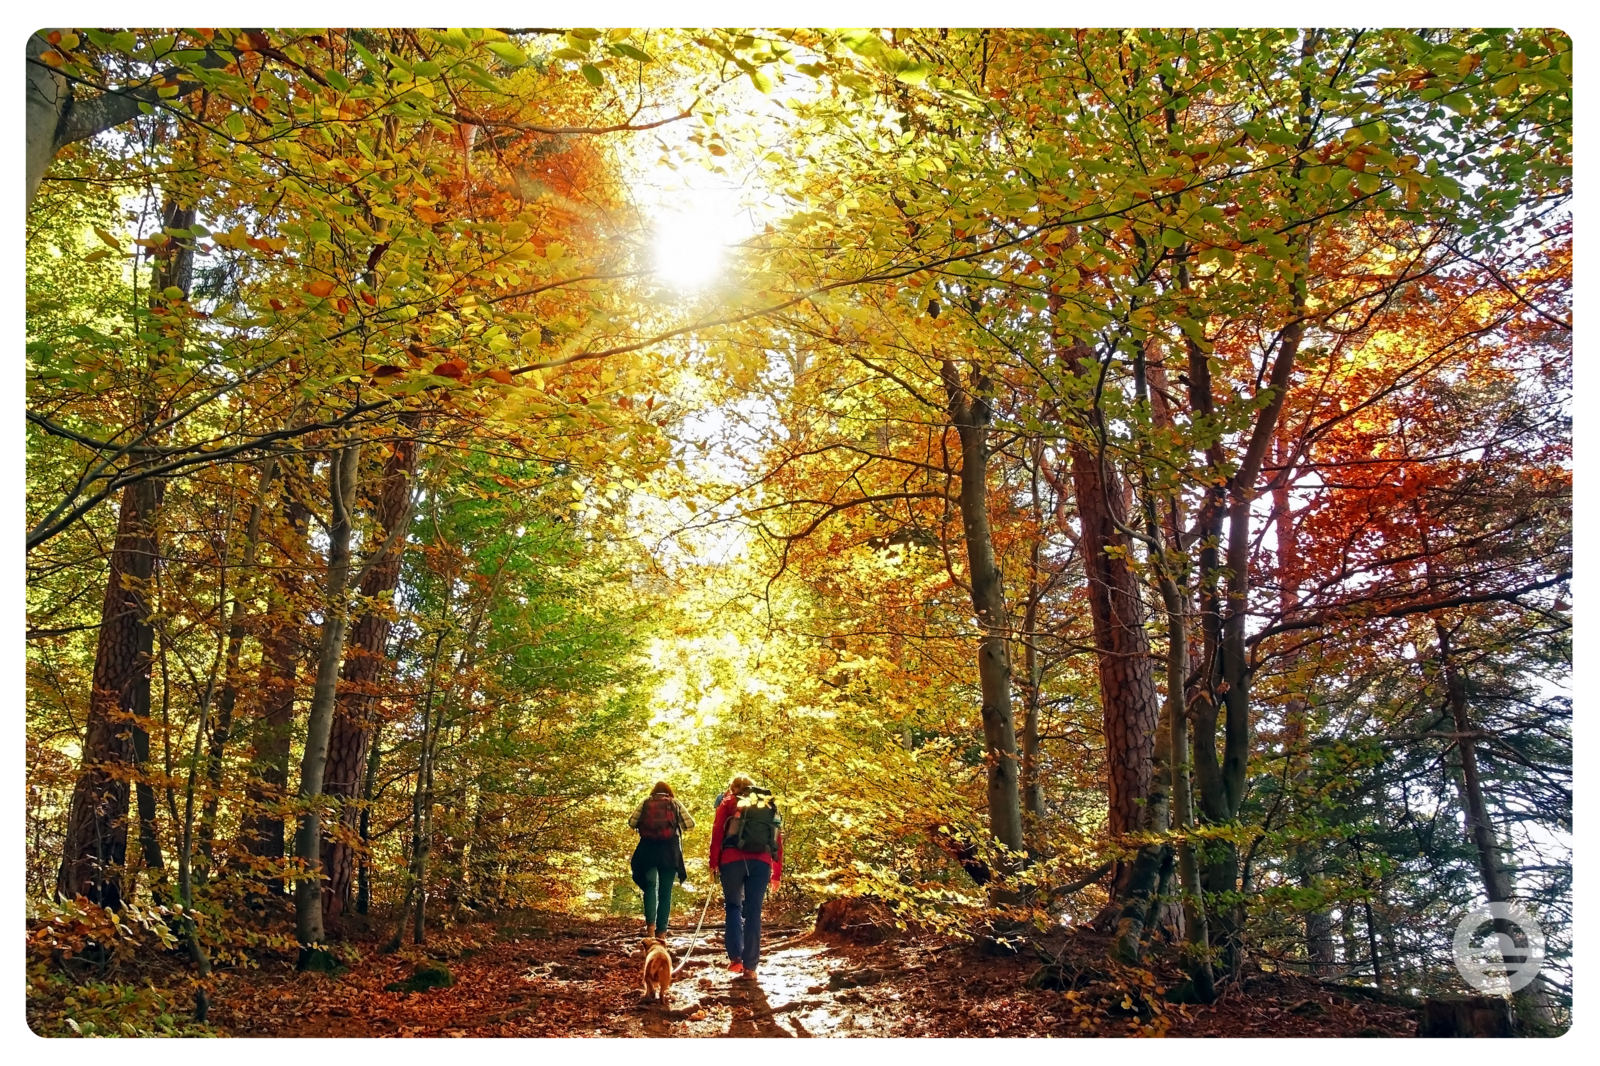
721	854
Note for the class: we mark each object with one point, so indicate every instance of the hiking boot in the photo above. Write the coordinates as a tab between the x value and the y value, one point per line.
749	973
736	967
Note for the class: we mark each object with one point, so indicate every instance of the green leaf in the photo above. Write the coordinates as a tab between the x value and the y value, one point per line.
1319	175
1460	103
508	53
320	232
592	75
915	74
1172	238
761	80
367	58
623	48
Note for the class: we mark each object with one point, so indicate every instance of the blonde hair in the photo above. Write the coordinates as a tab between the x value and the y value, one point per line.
740	784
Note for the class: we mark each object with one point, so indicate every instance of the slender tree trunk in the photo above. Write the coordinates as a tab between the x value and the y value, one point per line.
191	931
424	845
229	696
365	661
266	789
1530	1003
1032	781
343	465
969	414
1032	785
1196	924
145	798
369	782
1226	688
421	795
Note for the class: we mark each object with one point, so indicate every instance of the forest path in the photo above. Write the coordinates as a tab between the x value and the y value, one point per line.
571	977
583	980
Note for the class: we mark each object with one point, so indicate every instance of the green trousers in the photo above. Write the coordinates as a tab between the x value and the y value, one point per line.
658	896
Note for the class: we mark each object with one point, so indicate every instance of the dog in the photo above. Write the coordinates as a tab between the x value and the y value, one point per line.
657	969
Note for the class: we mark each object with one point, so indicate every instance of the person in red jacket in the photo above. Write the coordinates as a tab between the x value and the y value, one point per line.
745	876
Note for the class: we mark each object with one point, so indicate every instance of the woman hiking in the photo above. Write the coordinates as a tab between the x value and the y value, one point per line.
747	855
660	821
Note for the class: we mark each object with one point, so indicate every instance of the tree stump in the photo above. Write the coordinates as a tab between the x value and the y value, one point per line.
1463	1016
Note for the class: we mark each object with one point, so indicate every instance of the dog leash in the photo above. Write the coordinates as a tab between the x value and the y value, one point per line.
696	940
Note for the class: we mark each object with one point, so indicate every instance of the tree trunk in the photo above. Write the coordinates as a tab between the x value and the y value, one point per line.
969	414
56	117
1531	1005
343	466
229	696
364	663
421	795
1129	704
1032	785
1197	955
364	871
48	95
267	787
96	840
115	742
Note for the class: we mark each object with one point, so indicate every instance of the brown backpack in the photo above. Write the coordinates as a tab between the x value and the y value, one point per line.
658	820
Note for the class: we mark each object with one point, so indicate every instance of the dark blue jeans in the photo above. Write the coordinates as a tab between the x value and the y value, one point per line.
744	886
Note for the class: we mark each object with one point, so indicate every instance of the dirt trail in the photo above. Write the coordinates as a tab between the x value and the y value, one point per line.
568	978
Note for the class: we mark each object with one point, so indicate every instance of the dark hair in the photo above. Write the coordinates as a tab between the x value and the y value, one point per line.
662	786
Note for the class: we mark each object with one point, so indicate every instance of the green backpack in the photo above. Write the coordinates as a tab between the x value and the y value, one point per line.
755	823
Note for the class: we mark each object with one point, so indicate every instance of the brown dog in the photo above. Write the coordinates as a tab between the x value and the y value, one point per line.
657	968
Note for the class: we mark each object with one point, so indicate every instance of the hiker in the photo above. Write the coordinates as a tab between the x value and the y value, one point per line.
660	821
747	855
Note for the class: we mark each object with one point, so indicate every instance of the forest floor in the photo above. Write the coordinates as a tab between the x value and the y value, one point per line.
553	976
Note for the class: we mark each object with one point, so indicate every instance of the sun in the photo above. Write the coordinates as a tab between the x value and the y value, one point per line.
693	234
